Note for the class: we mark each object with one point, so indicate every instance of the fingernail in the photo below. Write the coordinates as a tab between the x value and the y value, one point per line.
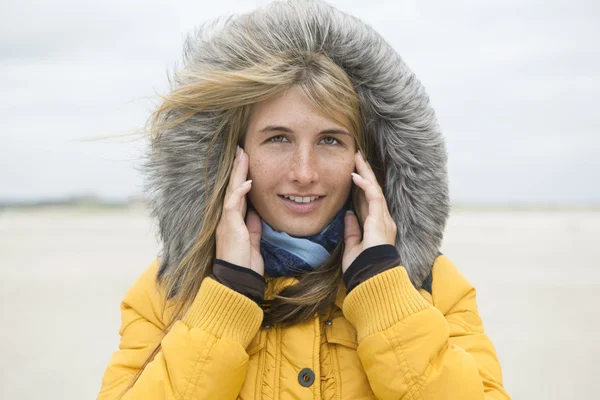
355	174
349	212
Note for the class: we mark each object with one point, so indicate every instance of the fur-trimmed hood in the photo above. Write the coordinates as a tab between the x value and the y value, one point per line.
408	148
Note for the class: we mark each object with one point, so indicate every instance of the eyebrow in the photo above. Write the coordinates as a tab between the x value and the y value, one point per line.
280	128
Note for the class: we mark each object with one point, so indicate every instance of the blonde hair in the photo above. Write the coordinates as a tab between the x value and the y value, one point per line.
233	92
230	93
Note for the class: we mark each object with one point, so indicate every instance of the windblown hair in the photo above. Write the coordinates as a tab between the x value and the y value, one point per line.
222	95
228	94
351	75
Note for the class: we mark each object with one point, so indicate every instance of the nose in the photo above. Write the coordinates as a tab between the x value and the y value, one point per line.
304	166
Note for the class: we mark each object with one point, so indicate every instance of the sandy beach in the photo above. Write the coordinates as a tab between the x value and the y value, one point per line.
63	273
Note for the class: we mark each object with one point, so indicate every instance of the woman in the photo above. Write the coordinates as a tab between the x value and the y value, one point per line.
299	179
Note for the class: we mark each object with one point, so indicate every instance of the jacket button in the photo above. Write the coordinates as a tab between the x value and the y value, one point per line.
306	377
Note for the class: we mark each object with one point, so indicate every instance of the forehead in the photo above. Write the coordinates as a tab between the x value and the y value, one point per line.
292	110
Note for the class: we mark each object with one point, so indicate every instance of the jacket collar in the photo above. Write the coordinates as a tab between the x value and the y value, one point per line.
276	285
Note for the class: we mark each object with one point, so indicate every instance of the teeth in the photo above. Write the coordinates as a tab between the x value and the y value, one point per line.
302	199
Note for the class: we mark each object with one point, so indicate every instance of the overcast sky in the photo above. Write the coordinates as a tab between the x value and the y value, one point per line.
515	85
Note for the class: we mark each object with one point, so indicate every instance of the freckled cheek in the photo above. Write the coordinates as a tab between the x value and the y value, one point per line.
339	173
343	163
263	173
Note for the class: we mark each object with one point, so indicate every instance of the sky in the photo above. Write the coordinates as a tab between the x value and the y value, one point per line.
515	86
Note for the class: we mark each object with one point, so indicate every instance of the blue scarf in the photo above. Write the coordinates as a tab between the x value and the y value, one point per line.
286	255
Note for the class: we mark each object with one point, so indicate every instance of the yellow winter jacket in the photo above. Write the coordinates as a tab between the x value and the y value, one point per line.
385	340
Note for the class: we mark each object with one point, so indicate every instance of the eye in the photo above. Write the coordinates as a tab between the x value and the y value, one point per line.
278	138
330	140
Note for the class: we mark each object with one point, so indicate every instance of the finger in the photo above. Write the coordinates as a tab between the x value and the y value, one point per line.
367	173
236	201
235	163
254	228
242	168
365	170
239	172
352	235
373	196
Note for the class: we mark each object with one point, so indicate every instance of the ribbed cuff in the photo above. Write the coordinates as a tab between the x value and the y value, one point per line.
243	280
370	262
224	313
383	300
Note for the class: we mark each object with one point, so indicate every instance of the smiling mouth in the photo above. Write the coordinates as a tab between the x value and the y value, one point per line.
301	200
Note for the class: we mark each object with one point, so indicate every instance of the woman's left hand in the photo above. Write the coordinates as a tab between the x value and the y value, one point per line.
379	227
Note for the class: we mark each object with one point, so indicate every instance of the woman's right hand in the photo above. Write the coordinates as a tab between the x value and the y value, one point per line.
238	241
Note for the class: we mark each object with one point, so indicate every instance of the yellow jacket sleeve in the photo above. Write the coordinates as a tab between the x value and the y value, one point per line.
411	349
199	352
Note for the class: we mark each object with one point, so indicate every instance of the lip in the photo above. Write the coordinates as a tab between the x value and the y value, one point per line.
302	195
301	207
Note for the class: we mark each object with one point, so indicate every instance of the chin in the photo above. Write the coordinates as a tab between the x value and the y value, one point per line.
300	232
300	229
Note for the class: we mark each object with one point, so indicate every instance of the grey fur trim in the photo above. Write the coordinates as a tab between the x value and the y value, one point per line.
399	120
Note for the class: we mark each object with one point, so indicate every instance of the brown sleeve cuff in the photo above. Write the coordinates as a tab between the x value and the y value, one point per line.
242	280
370	262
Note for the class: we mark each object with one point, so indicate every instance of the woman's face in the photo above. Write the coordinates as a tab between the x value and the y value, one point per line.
293	150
